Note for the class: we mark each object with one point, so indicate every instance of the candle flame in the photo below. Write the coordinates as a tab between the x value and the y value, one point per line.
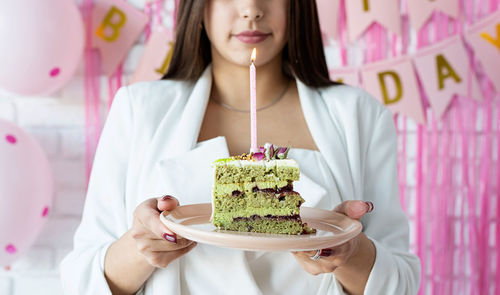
254	54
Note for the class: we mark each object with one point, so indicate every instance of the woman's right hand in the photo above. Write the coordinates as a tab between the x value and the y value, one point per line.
154	240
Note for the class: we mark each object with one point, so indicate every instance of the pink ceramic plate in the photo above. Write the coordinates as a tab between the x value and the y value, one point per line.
193	222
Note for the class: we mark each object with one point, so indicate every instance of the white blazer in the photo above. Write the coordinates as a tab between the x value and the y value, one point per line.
150	137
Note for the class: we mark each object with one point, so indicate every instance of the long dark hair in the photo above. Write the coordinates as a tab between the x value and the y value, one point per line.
303	55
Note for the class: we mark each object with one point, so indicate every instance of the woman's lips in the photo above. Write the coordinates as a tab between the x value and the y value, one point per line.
252	38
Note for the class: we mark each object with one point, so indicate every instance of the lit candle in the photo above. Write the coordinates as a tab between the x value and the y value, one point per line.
253	103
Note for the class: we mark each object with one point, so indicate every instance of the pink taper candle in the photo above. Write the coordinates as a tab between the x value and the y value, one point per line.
253	103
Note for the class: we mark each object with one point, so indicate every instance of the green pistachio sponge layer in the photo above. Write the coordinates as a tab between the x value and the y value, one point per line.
260	171
226	208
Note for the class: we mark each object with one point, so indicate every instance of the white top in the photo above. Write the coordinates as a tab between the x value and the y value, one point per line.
148	146
279	273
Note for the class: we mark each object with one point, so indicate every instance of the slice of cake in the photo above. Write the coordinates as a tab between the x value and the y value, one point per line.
254	193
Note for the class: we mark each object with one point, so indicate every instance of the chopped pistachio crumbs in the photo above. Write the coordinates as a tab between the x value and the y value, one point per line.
267	152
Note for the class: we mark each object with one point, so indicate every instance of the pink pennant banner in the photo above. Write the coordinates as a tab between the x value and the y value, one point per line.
421	10
484	38
445	72
116	26
363	13
156	57
328	11
346	75
395	85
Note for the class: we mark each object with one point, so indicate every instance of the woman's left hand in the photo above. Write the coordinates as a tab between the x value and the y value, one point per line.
332	258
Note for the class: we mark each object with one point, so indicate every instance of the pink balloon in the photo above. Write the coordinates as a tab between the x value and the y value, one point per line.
42	45
26	189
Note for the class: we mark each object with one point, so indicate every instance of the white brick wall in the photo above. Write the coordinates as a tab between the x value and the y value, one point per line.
7	110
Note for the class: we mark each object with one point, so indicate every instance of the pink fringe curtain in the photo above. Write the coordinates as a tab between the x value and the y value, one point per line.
449	170
92	77
451	196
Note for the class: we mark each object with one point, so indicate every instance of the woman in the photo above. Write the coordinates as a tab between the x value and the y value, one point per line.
161	137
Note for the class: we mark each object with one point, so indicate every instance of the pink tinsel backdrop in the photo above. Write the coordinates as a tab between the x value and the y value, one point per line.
448	169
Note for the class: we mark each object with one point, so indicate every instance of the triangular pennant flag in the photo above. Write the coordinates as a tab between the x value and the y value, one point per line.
328	11
395	85
444	70
420	10
156	57
346	75
116	25
484	37
362	13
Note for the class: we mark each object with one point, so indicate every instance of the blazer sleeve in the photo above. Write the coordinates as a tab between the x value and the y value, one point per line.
104	218
396	270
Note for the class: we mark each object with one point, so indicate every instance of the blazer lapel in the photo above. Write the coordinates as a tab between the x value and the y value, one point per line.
327	137
186	119
187	131
189	175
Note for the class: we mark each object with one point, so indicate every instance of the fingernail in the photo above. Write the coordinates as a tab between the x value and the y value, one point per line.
170	238
167	197
370	206
326	252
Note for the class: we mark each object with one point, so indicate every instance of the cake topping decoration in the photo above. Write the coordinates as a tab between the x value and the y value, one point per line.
258	156
270	152
267	152
247	157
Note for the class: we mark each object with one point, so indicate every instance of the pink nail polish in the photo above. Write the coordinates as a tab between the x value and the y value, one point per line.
170	238
370	207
